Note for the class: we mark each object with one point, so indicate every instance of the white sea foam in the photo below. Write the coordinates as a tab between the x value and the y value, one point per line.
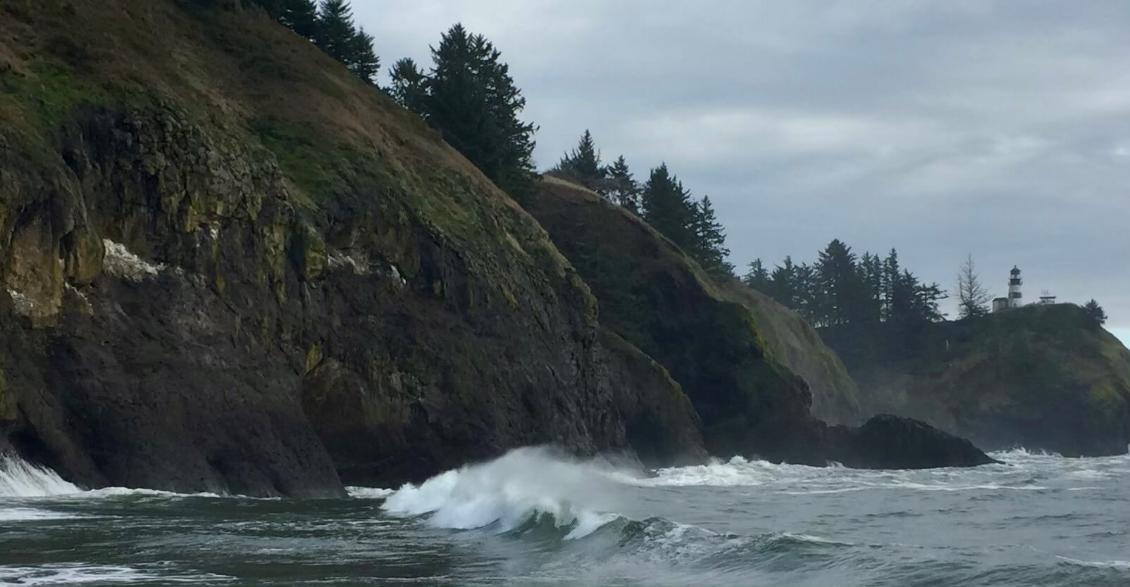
1115	564
368	492
130	491
22	514
513	489
19	478
67	574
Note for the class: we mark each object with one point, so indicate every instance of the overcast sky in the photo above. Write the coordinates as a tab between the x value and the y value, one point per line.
1000	129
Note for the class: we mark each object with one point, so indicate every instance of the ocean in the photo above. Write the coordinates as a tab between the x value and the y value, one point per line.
535	517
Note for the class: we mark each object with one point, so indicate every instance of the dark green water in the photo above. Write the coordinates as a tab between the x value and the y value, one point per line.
531	518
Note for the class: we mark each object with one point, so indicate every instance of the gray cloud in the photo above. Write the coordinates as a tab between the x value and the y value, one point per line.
940	128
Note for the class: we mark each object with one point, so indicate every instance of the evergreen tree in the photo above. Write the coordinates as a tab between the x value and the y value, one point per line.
871	275
892	273
807	292
409	86
973	298
1095	313
667	207
474	103
334	32
784	284
757	277
300	16
363	60
297	15
621	187
844	297
582	165
709	246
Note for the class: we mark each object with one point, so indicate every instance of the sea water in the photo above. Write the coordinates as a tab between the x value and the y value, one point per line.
535	517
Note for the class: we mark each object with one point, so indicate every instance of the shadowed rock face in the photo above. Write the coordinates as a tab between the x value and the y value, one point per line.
208	288
891	442
708	337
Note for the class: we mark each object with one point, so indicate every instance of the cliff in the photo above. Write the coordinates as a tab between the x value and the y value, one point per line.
715	341
229	266
797	345
1041	377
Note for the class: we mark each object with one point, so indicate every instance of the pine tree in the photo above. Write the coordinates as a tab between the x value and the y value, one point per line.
621	187
334	32
363	60
474	103
892	273
807	292
667	207
843	290
1095	313
973	298
300	16
582	165
784	286
871	275
409	86
709	246
757	277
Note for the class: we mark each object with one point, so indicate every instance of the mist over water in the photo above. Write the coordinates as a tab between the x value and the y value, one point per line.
534	516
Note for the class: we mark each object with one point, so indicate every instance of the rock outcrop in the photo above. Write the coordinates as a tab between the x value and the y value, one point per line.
713	340
835	395
1039	377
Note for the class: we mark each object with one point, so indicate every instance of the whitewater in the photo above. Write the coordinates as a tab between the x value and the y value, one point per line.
537	517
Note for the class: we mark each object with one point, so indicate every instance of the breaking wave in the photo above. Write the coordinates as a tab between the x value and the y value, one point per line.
18	478
525	485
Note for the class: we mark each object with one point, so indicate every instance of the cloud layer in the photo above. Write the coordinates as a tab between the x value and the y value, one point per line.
1000	129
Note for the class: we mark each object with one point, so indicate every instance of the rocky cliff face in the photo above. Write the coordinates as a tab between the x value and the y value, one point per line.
1041	377
713	341
228	266
797	345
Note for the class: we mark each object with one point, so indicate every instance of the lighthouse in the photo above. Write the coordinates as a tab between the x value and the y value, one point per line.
1014	283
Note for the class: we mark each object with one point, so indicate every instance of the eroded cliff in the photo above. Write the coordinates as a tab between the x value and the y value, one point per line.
229	266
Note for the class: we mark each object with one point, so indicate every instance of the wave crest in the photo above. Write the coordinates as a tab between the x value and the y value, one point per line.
18	478
523	485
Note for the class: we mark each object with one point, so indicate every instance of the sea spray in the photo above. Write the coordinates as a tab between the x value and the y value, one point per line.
525	483
18	478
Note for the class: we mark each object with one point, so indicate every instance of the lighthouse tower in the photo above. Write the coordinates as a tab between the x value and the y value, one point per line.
1014	283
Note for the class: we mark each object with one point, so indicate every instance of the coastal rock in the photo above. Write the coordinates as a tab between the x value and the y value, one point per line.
893	442
712	342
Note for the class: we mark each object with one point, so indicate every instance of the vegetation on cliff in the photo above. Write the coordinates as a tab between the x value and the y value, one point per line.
470	98
662	201
843	288
329	24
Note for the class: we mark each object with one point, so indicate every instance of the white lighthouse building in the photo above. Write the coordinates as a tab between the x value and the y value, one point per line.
1014	283
1014	298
